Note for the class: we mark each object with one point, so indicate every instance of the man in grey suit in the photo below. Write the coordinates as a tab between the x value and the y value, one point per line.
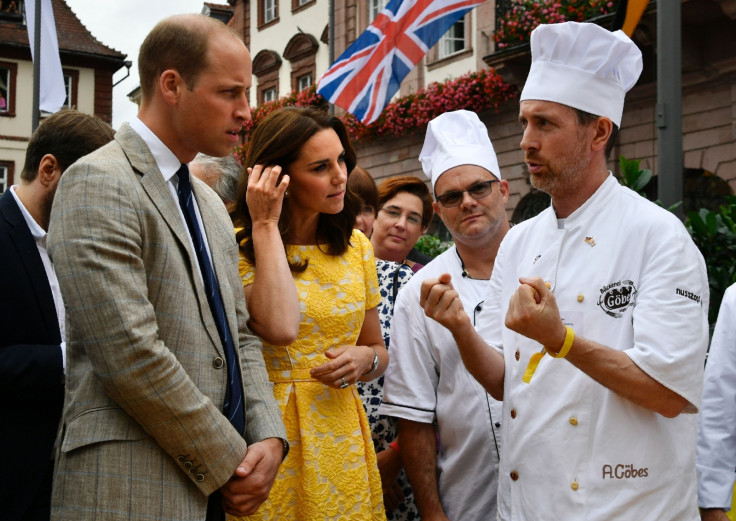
169	413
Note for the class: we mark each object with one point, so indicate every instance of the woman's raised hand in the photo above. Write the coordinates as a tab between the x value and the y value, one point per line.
265	194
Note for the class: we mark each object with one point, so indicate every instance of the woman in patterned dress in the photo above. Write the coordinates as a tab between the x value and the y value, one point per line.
311	289
398	497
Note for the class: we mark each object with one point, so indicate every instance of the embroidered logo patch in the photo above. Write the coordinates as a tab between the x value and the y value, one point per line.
617	297
688	294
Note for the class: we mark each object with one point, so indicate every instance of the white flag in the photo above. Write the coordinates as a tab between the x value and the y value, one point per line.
52	89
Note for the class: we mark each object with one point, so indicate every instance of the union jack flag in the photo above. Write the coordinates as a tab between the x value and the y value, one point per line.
365	77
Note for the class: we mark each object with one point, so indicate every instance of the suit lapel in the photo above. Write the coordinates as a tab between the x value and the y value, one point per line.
152	181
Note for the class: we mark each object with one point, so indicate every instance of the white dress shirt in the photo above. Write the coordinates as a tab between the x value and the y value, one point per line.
39	236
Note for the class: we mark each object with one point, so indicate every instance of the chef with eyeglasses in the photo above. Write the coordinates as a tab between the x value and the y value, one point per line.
454	471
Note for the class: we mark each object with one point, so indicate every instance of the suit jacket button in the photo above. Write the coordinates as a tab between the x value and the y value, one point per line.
181	459
200	477
188	465
218	362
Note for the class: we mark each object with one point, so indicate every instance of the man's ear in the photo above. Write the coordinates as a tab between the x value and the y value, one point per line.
49	170
171	85
603	128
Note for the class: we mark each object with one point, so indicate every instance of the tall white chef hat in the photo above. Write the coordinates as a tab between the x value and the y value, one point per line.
583	66
454	139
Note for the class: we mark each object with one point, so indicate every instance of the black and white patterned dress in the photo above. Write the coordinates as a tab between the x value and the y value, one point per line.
391	277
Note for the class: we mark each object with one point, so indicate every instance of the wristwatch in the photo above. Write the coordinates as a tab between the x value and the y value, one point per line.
286	448
374	366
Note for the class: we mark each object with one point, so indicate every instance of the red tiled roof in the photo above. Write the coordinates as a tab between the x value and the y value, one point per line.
72	34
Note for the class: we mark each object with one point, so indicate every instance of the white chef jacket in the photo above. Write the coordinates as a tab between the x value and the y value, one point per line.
427	381
716	454
625	273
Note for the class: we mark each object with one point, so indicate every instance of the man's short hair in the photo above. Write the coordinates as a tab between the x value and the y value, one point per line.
67	135
179	43
228	170
586	118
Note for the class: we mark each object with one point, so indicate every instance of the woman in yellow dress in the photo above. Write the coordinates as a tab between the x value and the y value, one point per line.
311	289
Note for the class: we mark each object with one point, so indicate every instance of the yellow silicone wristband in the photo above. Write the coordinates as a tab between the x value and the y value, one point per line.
569	339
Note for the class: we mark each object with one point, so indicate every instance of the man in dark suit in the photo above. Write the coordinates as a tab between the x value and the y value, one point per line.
32	315
169	412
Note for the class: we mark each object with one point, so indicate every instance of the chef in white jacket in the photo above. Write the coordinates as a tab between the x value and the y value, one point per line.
426	381
716	454
595	325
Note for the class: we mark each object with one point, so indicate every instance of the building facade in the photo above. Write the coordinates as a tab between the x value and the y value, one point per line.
87	64
289	43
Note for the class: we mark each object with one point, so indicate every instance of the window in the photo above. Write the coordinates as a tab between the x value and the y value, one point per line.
455	44
375	7
301	51
266	65
269	11
71	85
304	81
453	40
8	73
298	4
268	95
6	174
12	9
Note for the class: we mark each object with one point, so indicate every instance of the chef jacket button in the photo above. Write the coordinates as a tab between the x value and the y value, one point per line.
581	297
498	425
200	477
517	355
574	485
513	413
514	475
218	362
547	284
573	420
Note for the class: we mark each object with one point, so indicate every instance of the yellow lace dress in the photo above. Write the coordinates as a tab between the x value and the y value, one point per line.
330	472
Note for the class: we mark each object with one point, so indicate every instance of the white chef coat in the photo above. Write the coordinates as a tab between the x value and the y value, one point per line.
716	454
625	273
427	381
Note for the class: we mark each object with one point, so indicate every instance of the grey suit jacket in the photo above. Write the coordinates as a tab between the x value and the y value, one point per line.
142	432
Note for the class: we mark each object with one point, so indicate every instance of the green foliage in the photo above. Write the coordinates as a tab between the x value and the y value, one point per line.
632	176
432	245
715	235
638	178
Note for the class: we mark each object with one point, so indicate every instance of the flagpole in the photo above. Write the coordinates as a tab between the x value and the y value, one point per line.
669	104
331	24
36	66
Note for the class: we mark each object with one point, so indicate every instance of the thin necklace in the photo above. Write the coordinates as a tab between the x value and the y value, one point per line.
462	264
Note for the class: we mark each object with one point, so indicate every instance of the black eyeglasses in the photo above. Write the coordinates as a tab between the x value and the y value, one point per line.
476	191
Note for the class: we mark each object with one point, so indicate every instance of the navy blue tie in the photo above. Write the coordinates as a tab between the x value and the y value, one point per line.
233	408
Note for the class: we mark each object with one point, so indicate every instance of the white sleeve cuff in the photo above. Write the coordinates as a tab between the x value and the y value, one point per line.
715	487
